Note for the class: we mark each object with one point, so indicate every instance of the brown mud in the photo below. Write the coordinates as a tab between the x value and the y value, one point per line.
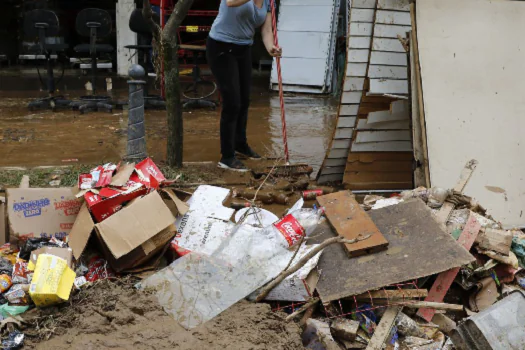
59	138
116	316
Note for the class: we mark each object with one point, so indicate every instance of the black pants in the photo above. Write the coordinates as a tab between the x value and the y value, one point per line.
232	67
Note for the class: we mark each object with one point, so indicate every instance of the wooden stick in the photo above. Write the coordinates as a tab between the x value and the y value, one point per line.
275	282
302	309
433	305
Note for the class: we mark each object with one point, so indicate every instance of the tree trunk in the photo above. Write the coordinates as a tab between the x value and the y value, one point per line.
169	47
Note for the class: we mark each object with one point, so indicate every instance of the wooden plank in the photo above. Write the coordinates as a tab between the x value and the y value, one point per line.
382	136
413	235
380	166
334	170
398	5
388	86
356	69
346	122
323	179
344	133
388	72
384	328
444	212
362	15
393	294
367	107
417	95
366	4
378	185
398	125
386	116
390	146
360	42
361	29
338	153
354	84
393	17
496	240
388	58
336	162
399	107
349	110
351	97
358	55
350	221
379	157
390	31
374	176
444	280
390	45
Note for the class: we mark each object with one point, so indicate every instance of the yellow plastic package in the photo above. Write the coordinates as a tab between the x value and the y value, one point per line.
52	281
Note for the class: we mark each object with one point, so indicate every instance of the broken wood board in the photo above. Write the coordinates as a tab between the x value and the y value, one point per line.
384	328
445	279
418	246
444	212
397	294
387	146
350	221
452	54
496	240
382	136
362	124
386	116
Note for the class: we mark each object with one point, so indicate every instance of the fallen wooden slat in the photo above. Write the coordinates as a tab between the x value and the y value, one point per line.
433	305
350	221
398	5
394	294
445	211
384	328
393	17
422	129
444	280
496	240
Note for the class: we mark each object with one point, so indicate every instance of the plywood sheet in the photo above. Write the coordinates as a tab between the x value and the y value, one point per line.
418	247
350	221
452	55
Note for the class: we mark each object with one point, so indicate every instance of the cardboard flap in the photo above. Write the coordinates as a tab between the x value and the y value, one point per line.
135	224
182	207
81	231
66	282
123	174
64	253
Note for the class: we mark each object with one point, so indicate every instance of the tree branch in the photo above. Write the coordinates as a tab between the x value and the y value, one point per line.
339	239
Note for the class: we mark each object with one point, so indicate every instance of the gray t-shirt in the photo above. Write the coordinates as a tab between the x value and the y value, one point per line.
237	25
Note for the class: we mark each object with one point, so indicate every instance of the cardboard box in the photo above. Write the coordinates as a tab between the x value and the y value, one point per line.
41	212
63	253
52	281
132	235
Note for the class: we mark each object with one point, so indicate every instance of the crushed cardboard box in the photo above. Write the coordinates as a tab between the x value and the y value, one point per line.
41	212
131	236
52	281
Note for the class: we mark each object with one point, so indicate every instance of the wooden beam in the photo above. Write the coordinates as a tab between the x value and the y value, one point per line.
384	328
350	221
445	279
417	70
394	294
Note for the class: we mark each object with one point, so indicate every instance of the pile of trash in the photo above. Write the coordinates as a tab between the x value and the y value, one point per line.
404	271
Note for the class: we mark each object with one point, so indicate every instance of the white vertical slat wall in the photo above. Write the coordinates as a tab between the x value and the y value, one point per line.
307	31
359	38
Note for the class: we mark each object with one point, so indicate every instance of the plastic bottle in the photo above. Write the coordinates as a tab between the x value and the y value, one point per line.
290	229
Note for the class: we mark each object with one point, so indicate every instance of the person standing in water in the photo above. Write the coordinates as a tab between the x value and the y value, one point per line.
228	50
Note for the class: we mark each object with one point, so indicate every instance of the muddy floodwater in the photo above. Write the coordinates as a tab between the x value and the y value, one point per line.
58	138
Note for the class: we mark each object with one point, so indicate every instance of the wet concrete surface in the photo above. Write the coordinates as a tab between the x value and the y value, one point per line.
57	138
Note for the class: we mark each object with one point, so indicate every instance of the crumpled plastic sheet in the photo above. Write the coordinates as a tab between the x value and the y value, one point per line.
197	287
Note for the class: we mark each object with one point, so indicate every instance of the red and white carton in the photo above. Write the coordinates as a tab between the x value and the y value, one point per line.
148	168
85	181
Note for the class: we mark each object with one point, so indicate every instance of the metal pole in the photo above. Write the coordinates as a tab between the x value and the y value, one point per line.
136	148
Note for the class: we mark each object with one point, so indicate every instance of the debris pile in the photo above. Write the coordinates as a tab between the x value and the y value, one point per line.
352	272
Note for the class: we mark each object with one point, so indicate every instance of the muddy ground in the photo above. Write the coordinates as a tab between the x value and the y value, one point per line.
116	316
64	137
